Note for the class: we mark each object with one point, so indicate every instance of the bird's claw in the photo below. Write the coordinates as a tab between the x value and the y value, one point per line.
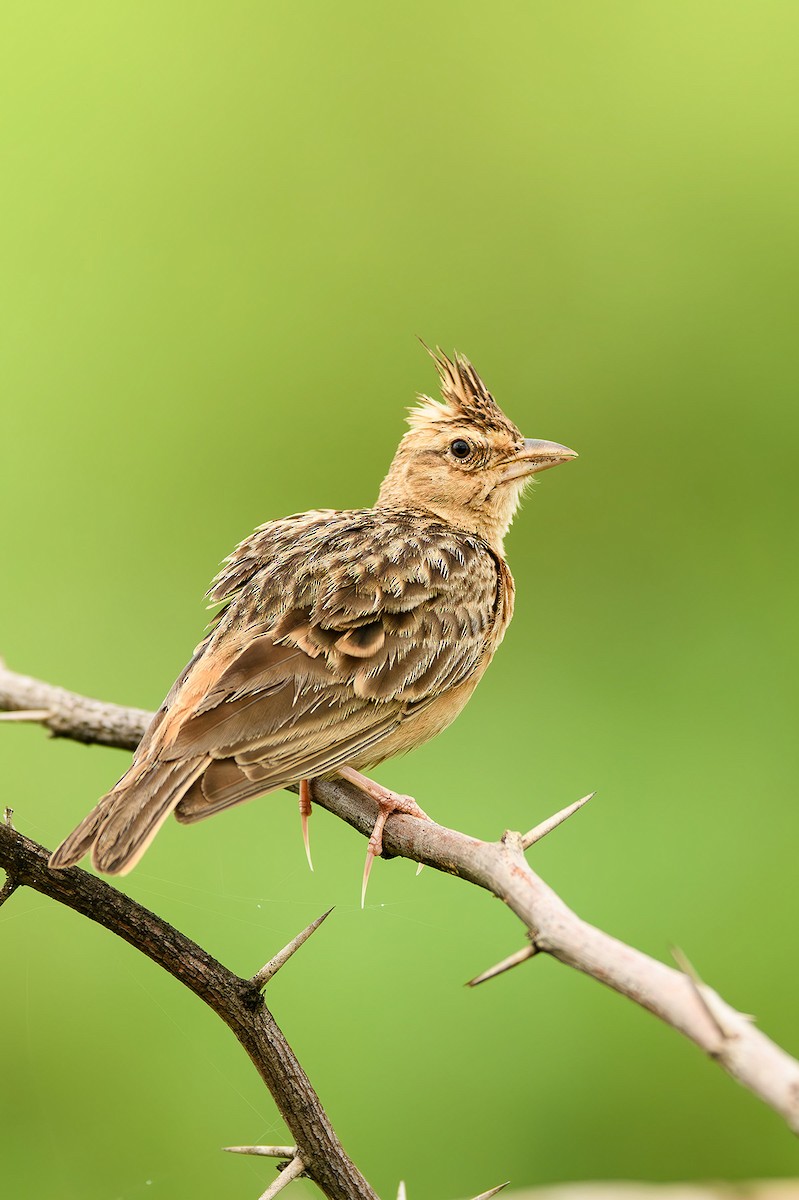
305	811
388	802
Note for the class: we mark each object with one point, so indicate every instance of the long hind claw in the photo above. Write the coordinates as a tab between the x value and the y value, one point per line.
375	848
388	802
306	809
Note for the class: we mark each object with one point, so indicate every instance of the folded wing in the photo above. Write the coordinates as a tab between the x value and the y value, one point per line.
336	628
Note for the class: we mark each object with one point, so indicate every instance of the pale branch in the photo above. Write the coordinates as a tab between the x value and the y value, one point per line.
748	1189
727	1036
66	714
237	1001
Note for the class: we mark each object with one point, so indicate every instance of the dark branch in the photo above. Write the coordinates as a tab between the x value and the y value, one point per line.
237	1001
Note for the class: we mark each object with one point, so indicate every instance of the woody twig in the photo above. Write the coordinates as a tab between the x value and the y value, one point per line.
730	1038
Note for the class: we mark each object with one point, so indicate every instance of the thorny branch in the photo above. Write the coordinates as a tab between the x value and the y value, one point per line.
236	1000
676	996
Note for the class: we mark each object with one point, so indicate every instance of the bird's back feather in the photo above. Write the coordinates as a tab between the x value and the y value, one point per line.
337	629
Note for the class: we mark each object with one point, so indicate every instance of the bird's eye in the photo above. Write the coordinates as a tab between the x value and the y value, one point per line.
460	448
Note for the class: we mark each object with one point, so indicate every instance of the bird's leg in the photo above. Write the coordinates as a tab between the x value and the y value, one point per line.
388	802
305	812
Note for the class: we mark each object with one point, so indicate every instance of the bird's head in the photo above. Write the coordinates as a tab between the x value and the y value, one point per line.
462	459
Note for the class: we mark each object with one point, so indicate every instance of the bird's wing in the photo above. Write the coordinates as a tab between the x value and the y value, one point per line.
337	626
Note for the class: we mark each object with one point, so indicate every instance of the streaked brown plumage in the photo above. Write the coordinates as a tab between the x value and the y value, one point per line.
345	637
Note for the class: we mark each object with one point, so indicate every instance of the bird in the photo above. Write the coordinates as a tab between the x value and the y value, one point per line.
342	637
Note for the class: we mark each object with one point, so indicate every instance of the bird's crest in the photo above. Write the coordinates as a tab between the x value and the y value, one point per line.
464	397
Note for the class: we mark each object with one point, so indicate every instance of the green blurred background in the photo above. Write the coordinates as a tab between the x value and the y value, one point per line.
222	226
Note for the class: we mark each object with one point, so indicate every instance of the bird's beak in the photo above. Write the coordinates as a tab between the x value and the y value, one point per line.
536	456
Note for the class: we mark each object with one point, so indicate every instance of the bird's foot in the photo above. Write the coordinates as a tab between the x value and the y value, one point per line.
388	802
305	812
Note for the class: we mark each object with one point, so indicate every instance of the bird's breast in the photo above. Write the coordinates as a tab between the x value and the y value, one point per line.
419	726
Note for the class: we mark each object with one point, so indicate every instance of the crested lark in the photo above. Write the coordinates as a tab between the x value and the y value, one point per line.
344	637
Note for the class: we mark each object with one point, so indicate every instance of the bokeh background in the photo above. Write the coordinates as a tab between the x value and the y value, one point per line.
222	227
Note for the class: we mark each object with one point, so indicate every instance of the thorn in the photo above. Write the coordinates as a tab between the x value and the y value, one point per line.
293	1171
401	1193
261	979
493	1192
513	961
305	811
27	714
551	823
264	1151
8	813
419	868
699	988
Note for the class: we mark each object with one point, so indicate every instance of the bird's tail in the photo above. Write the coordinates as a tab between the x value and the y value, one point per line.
122	824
